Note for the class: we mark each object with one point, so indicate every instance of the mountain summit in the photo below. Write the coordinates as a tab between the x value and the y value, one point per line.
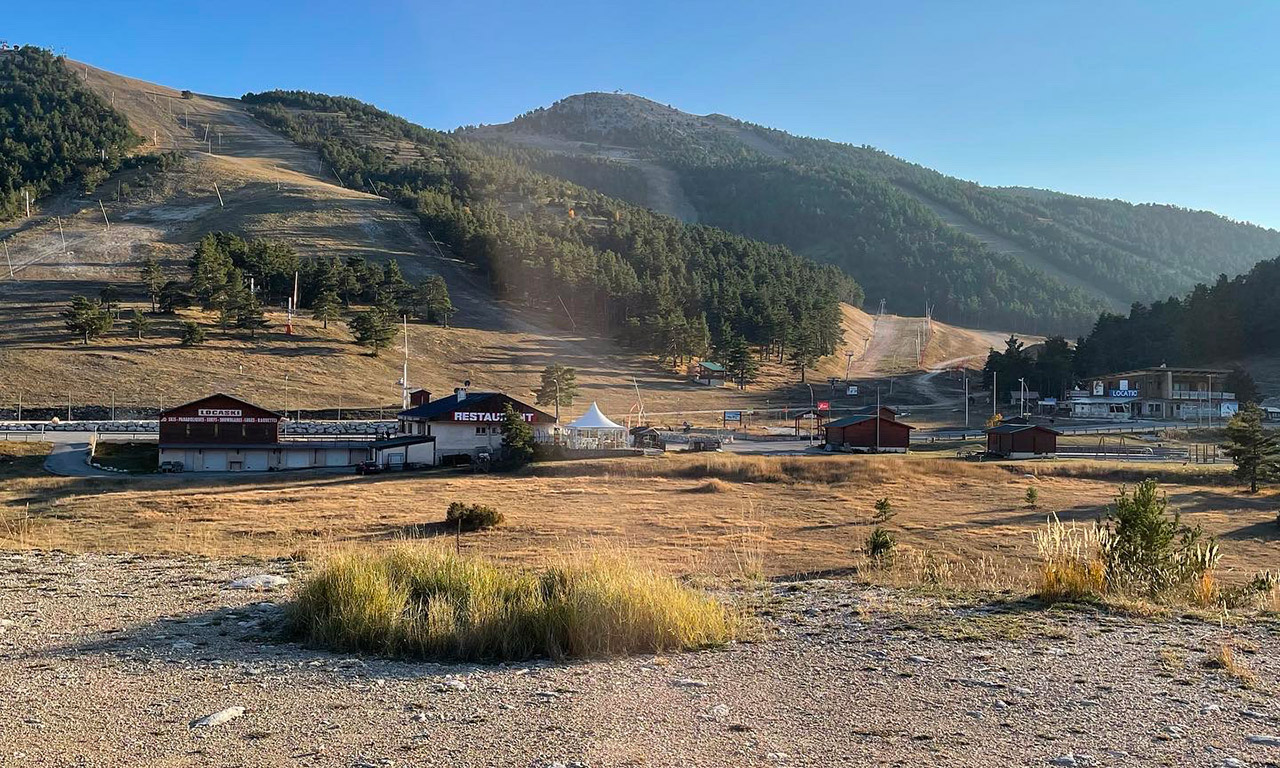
1033	259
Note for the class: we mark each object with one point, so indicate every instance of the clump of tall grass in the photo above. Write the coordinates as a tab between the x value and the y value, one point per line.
432	604
1140	550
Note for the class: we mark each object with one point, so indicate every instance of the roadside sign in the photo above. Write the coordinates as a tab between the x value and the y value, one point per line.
824	405
852	389
733	415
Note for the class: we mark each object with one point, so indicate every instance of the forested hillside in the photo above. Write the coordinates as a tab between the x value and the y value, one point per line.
1023	258
665	286
52	130
1230	319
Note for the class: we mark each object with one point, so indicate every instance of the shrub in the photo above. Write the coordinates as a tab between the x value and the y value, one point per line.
1147	550
471	517
880	545
428	603
192	334
884	510
1032	497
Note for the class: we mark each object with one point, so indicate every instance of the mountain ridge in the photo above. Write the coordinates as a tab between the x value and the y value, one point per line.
1073	256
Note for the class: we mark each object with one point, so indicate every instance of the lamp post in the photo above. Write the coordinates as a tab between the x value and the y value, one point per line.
286	395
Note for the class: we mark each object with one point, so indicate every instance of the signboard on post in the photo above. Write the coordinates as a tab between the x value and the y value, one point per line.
851	390
733	415
824	405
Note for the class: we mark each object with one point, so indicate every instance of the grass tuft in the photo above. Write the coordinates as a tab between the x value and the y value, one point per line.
1230	664
714	485
429	603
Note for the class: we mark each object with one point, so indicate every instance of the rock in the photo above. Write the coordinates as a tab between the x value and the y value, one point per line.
920	659
718	712
1171	733
453	684
183	646
259	582
1265	741
1231	762
1210	709
1065	760
218	718
1021	691
689	682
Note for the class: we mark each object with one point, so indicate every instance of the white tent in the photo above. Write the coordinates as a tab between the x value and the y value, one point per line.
595	430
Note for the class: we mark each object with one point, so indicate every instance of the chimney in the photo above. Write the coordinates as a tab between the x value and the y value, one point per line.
419	397
460	393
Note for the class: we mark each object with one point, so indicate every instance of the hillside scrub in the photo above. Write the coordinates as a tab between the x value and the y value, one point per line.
431	604
53	130
673	289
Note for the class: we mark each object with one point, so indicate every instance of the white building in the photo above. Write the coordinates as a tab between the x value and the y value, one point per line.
467	424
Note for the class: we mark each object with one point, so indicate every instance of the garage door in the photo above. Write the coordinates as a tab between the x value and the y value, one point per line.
298	459
337	457
255	460
214	461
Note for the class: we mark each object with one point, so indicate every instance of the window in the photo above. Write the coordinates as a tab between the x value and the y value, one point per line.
482	430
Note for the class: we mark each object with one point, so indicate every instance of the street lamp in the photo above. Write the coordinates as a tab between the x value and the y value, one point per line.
286	395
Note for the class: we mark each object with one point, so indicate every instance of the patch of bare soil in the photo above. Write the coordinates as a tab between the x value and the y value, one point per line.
118	660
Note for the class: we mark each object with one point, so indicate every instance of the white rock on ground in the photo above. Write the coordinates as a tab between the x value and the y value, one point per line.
261	581
218	718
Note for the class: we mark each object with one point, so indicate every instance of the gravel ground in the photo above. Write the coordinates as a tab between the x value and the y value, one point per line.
110	660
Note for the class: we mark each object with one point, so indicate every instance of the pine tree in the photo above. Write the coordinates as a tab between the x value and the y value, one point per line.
249	315
433	303
86	318
559	387
192	334
139	324
517	438
739	361
1255	451
327	306
373	329
153	279
109	295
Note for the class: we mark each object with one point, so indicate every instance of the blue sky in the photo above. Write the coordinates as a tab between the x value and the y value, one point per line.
1167	101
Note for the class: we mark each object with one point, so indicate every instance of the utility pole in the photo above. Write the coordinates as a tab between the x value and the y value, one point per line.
10	261
113	405
26	193
966	398
61	234
104	214
877	419
993	393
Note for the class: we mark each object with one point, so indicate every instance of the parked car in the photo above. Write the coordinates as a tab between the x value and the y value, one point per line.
172	466
369	468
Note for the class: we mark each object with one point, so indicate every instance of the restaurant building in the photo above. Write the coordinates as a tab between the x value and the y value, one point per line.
466	424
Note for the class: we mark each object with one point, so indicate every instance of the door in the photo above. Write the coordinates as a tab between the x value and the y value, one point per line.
255	461
298	459
336	457
214	461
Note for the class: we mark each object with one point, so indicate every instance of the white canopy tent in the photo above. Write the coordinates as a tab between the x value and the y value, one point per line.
595	430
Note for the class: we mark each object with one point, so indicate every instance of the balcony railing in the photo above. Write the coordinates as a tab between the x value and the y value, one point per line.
1183	394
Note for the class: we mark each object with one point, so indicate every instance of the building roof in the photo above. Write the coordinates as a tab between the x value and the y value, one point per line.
1008	429
872	409
849	421
710	366
1165	369
436	409
224	396
396	442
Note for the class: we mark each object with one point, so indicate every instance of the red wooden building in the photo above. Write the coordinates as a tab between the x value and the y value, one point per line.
1022	441
868	432
219	419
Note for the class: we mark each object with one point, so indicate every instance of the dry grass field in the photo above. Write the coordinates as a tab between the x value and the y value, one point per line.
720	515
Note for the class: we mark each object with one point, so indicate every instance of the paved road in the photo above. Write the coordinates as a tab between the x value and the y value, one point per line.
70	453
